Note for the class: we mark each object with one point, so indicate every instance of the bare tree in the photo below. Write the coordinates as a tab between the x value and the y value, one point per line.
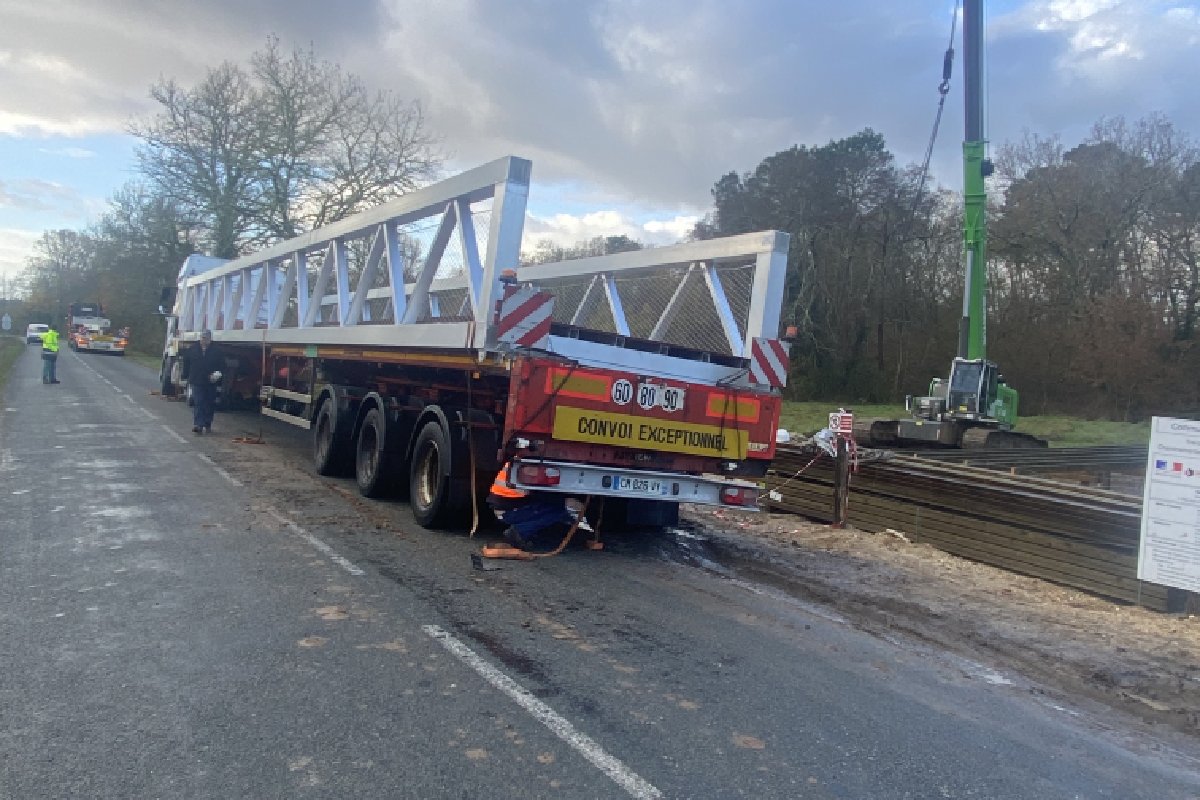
61	271
290	144
203	151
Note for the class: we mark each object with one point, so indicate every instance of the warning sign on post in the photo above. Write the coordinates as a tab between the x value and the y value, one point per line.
1169	552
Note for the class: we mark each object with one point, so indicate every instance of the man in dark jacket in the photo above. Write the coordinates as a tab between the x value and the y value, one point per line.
202	366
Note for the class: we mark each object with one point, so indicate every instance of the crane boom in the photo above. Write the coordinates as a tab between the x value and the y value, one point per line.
973	406
972	336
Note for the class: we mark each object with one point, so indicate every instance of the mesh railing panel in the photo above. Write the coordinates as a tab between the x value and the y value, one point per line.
696	322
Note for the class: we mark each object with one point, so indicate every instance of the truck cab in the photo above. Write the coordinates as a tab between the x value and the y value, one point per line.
976	391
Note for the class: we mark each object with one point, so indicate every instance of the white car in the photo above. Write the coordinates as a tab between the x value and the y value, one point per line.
33	333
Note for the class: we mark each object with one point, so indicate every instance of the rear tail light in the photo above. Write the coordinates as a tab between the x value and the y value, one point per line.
538	475
739	496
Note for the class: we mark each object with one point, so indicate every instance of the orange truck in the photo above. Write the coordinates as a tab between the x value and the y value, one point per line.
89	331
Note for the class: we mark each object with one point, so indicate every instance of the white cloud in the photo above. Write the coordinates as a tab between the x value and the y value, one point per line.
32	194
1058	66
647	103
568	230
68	152
16	246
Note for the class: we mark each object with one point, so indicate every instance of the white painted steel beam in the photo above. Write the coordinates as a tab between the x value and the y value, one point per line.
590	296
284	295
503	252
740	249
341	270
716	291
433	261
615	305
766	298
313	315
474	185
335	307
668	315
395	267
366	279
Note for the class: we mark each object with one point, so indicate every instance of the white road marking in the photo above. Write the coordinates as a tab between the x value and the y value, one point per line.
558	725
341	561
172	432
219	470
120	391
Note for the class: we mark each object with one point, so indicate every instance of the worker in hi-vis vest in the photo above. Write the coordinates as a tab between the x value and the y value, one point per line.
533	518
50	355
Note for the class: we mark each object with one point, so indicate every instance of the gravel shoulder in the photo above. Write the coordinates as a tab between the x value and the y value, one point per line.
1137	661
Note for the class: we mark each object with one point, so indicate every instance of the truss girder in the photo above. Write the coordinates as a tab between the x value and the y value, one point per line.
329	277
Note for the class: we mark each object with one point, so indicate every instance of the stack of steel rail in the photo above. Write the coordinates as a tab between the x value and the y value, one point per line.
1077	536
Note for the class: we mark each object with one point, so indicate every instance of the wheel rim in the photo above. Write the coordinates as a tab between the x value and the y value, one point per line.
368	454
428	476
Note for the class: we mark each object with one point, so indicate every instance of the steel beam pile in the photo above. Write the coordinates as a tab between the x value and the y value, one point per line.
1077	536
1107	458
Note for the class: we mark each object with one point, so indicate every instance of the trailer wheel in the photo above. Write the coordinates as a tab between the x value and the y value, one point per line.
165	387
331	452
429	477
371	461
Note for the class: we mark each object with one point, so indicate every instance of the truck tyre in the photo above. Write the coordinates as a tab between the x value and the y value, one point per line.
429	477
371	462
331	450
165	387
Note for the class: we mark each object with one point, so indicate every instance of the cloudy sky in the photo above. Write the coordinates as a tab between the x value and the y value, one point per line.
629	109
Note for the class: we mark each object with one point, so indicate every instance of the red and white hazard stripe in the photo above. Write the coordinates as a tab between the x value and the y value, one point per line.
525	316
768	362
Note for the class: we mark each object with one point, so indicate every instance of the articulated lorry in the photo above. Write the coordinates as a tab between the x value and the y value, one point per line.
88	330
423	358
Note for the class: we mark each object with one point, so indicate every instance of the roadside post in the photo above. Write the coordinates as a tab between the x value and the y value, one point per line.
841	422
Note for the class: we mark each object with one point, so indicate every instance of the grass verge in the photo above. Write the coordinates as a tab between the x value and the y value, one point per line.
807	418
11	348
150	360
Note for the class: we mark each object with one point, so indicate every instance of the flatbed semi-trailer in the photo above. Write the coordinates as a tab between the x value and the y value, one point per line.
423	357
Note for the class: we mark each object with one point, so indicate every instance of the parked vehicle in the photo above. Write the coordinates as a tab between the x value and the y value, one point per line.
34	331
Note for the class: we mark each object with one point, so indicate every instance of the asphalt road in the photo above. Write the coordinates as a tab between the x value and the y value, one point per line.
195	617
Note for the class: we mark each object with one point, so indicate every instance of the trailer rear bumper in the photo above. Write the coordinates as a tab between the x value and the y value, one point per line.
606	481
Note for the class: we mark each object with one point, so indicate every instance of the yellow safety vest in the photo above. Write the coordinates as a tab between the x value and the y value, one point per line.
50	341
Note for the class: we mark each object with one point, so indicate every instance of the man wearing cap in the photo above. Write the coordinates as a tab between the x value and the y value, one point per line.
202	366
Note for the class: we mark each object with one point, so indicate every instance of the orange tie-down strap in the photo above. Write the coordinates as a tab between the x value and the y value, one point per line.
506	550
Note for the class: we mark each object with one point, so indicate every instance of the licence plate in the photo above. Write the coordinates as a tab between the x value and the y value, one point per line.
649	486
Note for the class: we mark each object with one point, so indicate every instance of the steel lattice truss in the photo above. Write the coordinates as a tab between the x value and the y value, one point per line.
423	271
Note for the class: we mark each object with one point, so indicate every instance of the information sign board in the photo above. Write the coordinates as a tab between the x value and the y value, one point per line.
1169	550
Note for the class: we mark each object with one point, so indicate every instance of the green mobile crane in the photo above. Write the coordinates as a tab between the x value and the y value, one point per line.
973	407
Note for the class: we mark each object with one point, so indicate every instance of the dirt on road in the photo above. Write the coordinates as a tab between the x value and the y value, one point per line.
1138	661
